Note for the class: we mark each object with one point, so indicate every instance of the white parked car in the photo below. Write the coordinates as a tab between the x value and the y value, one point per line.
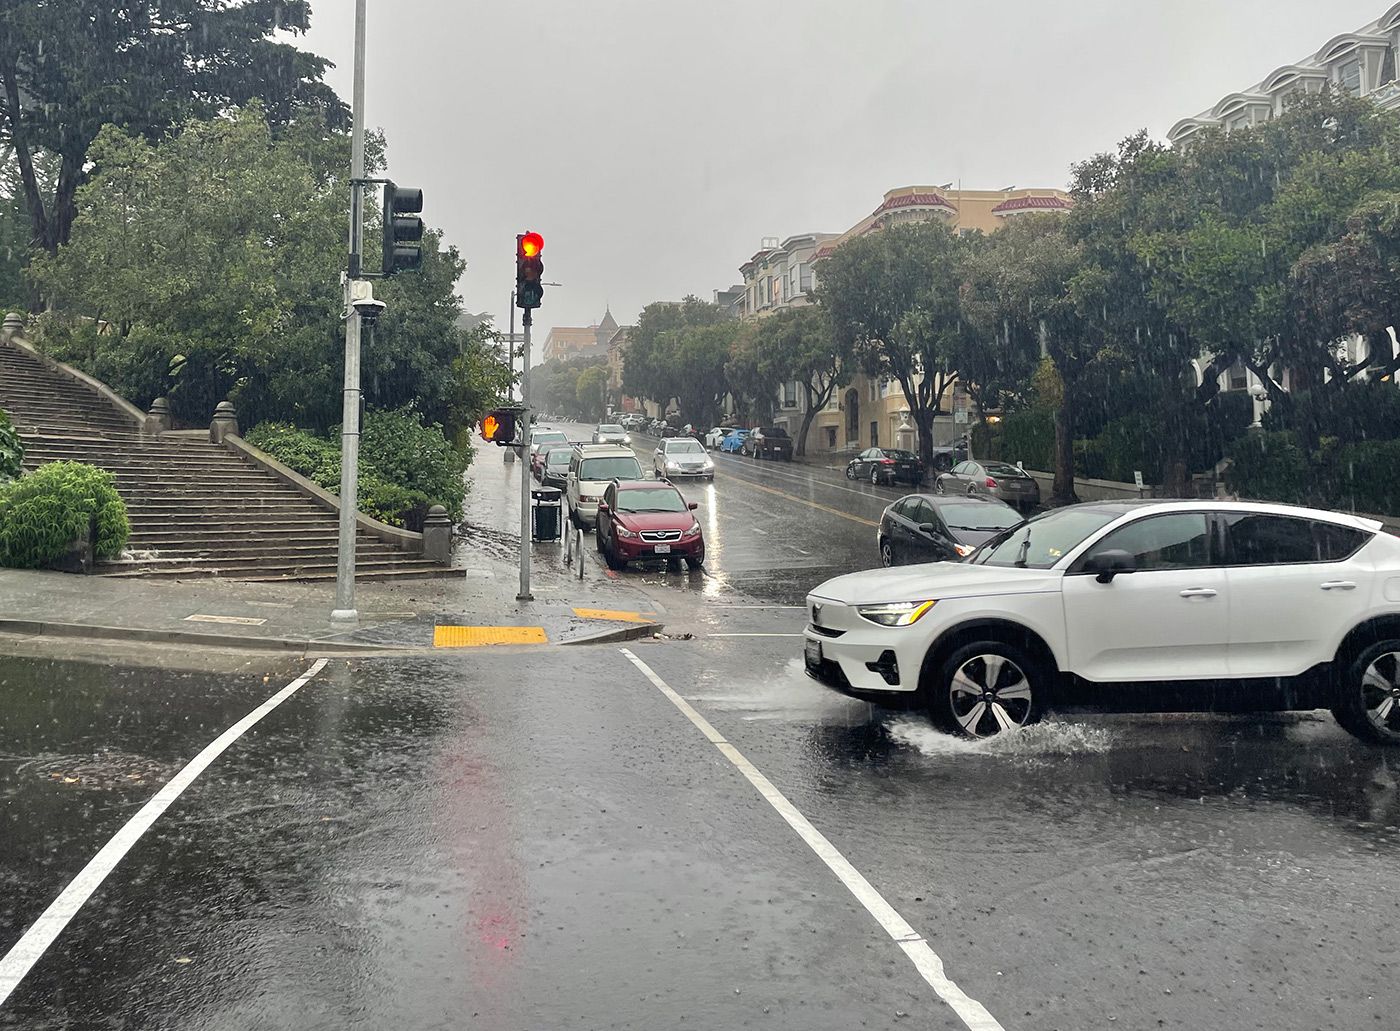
591	469
1172	605
716	436
682	456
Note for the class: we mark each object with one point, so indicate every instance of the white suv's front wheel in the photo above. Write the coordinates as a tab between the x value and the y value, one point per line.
1367	699
985	688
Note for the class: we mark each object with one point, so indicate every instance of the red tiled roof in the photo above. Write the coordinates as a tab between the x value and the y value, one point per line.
1032	203
911	200
825	250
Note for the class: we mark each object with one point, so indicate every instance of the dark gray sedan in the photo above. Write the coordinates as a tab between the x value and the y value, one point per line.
1000	480
934	528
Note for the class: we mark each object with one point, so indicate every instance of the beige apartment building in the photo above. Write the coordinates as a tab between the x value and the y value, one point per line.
870	412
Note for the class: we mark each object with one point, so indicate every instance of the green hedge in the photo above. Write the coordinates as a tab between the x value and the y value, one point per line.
42	513
11	450
405	466
1271	466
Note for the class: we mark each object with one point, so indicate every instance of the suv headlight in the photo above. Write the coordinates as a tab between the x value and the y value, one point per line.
672	465
622	531
694	529
899	613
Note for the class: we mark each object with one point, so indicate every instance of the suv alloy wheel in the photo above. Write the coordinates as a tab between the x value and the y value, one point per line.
984	688
1367	694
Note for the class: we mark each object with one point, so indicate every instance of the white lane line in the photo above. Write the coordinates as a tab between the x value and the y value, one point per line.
41	934
971	1012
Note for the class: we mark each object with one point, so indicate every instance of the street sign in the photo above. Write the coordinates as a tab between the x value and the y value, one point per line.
1137	479
959	415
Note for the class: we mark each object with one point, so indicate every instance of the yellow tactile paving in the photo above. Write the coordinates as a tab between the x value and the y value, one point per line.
476	636
612	614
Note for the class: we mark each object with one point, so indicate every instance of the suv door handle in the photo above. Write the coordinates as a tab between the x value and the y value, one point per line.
1339	585
1198	592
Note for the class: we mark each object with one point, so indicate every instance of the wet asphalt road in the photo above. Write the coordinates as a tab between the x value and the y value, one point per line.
539	839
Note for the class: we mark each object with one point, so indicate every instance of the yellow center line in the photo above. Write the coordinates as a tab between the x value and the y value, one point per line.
810	504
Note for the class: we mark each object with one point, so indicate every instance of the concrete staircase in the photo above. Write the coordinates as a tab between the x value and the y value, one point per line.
197	509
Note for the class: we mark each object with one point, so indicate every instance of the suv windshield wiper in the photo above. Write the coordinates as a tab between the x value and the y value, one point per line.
1025	550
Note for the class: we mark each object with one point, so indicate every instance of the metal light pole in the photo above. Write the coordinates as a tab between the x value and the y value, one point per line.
350	409
510	363
525	535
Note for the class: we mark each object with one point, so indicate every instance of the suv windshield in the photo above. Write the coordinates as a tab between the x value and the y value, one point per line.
1041	542
650	499
683	447
773	431
621	467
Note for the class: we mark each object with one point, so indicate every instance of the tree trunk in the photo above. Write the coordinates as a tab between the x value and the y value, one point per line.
33	200
65	208
1062	491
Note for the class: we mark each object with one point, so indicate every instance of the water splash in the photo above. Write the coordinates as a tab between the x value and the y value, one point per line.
1041	739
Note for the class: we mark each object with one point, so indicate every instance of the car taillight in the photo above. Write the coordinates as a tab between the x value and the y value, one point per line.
887	461
991	483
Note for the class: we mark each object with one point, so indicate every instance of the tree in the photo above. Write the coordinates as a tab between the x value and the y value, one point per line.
554	386
797	344
662	357
591	389
696	359
893	300
69	69
751	384
214	257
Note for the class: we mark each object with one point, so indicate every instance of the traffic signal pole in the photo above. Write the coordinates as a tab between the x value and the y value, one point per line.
350	409
525	535
510	362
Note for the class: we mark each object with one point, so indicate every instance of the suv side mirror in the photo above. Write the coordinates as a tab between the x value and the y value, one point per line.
1111	563
693	505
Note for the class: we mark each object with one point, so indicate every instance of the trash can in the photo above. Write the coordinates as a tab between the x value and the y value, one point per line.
547	506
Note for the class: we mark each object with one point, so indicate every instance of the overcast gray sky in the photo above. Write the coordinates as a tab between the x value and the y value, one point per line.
654	143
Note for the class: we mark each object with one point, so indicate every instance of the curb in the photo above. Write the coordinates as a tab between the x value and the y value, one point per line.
633	632
307	646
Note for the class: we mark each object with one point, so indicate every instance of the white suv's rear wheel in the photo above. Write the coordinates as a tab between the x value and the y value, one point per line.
985	688
1367	701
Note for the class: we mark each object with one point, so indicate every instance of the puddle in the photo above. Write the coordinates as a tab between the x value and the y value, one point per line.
1050	738
100	770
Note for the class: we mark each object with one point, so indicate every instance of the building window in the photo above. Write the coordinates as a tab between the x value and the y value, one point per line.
1239	121
1350	77
790	394
831	436
1238	377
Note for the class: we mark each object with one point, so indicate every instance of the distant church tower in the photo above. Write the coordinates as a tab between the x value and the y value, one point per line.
605	330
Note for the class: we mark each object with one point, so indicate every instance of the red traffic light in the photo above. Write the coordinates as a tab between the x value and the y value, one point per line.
531	244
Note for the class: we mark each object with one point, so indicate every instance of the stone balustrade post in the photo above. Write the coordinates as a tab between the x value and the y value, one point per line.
12	326
437	536
158	417
225	421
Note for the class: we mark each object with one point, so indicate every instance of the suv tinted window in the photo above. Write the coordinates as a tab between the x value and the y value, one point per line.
1180	540
1257	540
773	431
607	468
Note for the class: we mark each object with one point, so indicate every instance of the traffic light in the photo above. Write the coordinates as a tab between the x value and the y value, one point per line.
529	270
498	425
403	229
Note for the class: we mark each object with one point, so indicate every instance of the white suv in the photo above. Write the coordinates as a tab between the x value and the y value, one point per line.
1163	605
591	469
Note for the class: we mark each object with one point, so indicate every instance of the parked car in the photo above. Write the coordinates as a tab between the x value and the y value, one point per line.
1001	480
666	431
610	433
1168	605
648	520
591	469
933	528
541	440
682	456
886	465
716	436
554	470
733	442
769	442
947	456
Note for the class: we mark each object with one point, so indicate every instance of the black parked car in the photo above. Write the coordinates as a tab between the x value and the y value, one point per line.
769	442
933	528
886	465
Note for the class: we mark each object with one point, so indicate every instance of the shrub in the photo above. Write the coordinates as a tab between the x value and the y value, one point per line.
1271	466
42	513
405	467
1029	437
1365	477
11	450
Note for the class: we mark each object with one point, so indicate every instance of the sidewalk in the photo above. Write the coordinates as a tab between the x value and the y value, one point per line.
294	618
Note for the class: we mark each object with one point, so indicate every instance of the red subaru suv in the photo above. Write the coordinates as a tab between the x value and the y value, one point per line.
645	519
